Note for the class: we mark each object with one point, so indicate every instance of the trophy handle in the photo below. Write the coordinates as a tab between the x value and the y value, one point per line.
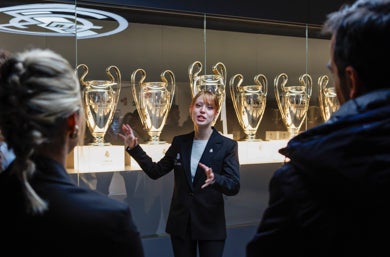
170	85
220	69
117	79
193	70
117	73
261	80
234	90
306	81
280	86
136	92
85	72
323	82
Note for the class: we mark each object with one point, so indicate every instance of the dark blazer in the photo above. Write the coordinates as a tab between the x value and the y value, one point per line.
202	209
79	222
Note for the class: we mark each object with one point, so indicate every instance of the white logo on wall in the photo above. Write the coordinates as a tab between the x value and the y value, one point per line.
60	20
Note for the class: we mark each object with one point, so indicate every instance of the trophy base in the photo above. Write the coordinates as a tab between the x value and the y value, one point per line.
99	144
99	159
156	142
250	136
252	140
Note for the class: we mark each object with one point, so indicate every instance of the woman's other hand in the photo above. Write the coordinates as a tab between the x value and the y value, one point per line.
209	174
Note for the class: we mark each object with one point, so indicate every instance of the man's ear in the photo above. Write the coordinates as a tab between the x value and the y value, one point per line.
354	83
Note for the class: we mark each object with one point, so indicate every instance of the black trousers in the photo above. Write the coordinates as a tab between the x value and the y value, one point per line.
187	247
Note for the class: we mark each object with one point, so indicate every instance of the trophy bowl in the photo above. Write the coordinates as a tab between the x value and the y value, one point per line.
153	101
211	82
293	101
329	102
249	103
100	101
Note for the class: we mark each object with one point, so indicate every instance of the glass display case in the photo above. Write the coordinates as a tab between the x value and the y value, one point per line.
100	35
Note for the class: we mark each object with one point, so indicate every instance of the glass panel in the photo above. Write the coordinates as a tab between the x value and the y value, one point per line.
160	41
44	25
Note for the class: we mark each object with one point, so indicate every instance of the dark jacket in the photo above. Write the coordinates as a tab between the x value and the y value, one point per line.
333	197
79	222
202	208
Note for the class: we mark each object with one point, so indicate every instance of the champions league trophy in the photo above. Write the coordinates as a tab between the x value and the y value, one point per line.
153	101
293	101
212	82
100	101
249	102
327	98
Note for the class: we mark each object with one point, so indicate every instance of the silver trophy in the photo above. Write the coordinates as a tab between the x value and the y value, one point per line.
329	102
153	101
100	101
249	103
293	101
212	82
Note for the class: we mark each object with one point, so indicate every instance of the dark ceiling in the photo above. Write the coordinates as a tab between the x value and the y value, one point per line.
295	11
286	17
280	17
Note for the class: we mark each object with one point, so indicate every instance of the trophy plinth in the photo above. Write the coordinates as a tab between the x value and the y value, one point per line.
153	101
100	101
249	103
155	138
293	101
210	82
327	98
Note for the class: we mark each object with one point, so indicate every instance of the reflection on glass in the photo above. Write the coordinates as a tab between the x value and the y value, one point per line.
54	19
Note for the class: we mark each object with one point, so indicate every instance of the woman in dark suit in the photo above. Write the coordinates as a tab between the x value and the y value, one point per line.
205	166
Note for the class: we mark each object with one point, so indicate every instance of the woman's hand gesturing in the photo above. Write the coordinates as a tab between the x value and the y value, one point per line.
129	139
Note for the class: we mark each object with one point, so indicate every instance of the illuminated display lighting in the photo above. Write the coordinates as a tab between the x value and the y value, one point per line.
60	20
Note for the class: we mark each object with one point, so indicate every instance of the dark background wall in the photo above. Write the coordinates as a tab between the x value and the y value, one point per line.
266	17
300	11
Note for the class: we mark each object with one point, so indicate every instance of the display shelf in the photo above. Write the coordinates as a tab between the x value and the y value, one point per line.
257	152
87	159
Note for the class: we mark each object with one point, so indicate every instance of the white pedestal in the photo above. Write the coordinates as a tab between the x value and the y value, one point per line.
251	152
155	151
99	158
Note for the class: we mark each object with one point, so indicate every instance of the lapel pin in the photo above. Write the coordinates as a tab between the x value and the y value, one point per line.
211	150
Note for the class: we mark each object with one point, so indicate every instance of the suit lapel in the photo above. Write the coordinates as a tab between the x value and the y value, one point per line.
186	156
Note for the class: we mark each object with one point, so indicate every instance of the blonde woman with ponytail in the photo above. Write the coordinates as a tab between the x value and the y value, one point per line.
43	211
